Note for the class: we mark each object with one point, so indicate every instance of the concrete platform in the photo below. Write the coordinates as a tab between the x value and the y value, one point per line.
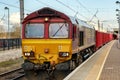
111	69
104	64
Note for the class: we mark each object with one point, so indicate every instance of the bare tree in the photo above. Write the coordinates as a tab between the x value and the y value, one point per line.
2	31
16	31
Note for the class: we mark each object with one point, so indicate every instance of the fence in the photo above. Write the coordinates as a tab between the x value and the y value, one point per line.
6	44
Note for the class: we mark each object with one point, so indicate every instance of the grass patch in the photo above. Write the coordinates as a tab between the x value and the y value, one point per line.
11	62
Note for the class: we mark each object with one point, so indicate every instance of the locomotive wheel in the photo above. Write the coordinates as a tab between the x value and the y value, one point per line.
72	64
79	60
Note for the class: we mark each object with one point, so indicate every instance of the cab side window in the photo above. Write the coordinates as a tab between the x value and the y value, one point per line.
81	38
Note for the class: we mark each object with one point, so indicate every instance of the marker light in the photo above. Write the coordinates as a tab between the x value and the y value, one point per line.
46	19
63	54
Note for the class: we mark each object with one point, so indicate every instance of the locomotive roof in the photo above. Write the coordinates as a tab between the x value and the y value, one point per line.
48	11
80	22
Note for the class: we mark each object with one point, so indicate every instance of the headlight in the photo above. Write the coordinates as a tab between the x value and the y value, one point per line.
63	54
27	54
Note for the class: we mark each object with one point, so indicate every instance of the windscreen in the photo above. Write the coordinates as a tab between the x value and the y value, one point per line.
35	30
58	30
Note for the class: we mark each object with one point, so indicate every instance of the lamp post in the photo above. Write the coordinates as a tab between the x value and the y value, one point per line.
8	35
117	2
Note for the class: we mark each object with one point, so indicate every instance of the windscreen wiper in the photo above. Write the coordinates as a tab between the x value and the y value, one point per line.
58	30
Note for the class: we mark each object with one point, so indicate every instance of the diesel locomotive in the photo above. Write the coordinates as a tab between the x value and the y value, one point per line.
53	40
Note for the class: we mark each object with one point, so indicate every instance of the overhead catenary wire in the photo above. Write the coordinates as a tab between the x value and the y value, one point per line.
62	4
83	6
14	6
88	11
71	9
66	5
43	3
47	5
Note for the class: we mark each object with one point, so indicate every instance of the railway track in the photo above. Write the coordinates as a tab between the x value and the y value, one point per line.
43	75
13	74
